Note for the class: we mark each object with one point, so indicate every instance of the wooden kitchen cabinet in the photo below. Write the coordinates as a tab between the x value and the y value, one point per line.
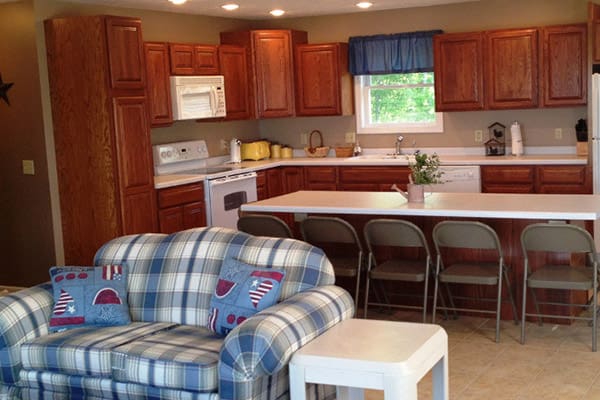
233	66
564	65
193	59
261	185
181	207
594	27
372	178
563	179
458	68
292	179
274	182
101	131
511	68
270	57
323	83
320	178
507	179
159	87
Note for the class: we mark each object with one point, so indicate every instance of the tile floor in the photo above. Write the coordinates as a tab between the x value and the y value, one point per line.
556	363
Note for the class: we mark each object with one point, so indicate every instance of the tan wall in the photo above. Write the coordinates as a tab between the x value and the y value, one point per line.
538	125
26	238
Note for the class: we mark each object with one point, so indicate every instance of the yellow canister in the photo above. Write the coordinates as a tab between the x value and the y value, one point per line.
275	151
286	152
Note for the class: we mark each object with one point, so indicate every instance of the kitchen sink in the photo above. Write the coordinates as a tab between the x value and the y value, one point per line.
375	157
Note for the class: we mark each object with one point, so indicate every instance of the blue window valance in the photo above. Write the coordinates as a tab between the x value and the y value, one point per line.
391	54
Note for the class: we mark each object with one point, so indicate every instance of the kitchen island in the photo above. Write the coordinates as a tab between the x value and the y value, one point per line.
508	214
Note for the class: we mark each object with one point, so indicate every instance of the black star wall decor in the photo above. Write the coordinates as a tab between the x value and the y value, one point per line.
4	87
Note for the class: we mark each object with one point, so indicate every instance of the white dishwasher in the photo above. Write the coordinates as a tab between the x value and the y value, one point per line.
458	178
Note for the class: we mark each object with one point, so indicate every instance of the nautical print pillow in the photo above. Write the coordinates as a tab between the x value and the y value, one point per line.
242	291
89	296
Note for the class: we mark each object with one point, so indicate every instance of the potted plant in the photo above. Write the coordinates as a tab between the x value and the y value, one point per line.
425	170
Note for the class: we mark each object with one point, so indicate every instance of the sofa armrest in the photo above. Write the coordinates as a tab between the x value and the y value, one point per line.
265	342
24	315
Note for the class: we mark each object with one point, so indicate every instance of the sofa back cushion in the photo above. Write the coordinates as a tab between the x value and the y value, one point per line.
172	277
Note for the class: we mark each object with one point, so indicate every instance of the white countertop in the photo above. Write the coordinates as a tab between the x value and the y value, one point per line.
466	205
165	181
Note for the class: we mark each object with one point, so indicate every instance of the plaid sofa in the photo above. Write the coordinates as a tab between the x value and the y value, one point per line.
166	352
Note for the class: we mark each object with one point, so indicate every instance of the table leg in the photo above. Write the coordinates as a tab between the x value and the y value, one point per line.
297	383
440	379
349	393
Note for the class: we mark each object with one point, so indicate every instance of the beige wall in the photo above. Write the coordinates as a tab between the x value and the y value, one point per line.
26	238
537	125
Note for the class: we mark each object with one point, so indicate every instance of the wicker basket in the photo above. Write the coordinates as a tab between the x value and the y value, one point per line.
344	151
319	151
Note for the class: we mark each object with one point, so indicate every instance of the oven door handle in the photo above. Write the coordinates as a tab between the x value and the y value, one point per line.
234	178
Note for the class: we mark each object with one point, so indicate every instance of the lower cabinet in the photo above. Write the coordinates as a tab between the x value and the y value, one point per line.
181	207
320	178
372	178
549	179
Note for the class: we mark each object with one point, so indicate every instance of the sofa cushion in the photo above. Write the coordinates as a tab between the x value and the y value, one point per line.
183	357
242	290
83	351
89	296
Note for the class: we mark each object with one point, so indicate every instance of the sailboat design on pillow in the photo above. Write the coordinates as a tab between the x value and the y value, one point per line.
63	301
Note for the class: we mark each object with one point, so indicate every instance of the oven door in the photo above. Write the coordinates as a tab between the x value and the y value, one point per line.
224	196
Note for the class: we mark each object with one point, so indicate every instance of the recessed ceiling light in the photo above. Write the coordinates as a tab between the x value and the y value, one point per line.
277	12
177	1
230	6
364	4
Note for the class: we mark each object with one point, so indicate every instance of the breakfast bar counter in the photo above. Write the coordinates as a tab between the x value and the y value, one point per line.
464	205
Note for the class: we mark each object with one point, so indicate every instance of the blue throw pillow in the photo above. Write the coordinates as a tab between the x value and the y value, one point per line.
242	291
89	296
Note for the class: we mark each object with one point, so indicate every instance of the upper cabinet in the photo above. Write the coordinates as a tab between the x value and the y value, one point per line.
193	59
564	65
458	66
323	83
159	90
270	57
594	27
234	68
511	69
126	56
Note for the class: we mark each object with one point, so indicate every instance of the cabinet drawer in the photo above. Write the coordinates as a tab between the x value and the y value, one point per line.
320	174
372	175
507	174
563	174
180	195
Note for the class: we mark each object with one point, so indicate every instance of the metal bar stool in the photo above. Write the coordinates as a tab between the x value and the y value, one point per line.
264	225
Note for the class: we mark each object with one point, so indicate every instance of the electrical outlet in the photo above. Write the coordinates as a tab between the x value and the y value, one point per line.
28	167
304	138
479	136
558	133
225	145
350	137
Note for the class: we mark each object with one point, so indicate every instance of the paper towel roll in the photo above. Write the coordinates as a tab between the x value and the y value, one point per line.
517	139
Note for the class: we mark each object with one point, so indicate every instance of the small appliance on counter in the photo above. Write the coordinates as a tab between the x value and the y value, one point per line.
517	139
235	150
256	150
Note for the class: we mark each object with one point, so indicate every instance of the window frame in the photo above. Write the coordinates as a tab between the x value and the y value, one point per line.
362	107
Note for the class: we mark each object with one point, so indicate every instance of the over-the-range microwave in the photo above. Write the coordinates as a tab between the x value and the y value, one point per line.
196	97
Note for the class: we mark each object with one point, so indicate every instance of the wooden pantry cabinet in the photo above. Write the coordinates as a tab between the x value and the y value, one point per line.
181	207
159	88
269	54
101	131
193	59
323	83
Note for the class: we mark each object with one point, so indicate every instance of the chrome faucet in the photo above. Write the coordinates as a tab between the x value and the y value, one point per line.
399	140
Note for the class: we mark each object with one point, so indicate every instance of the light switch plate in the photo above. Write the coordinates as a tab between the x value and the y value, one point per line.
28	167
350	137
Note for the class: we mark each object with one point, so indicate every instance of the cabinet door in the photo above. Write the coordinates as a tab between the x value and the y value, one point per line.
511	76
134	160
563	179
234	68
458	67
138	212
320	178
508	179
274	182
319	69
194	215
182	59
564	65
292	179
206	59
159	89
125	53
274	77
171	219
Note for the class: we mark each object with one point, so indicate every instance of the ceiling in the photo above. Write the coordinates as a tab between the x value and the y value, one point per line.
259	9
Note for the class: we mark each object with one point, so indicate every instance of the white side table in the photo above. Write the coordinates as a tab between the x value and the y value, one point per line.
359	354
